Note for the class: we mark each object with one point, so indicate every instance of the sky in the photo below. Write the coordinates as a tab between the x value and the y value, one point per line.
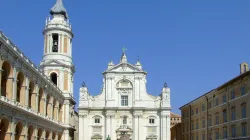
193	45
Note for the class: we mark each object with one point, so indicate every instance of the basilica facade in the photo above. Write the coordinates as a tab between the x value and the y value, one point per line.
124	110
37	103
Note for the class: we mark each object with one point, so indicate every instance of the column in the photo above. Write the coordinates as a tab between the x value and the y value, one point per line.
25	134
61	78
34	137
14	86
12	128
50	43
27	91
51	105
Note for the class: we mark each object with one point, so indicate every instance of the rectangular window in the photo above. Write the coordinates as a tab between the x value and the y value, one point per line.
203	136
224	116
124	100
209	121
197	124
224	98
217	119
151	121
203	107
232	94
217	134
197	110
225	132
233	114
197	137
243	90
243	129
192	125
97	120
243	111
203	123
192	112
217	101
233	129
209	105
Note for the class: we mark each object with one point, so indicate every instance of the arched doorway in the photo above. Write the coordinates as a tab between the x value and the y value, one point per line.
20	93
5	80
30	133
53	77
4	126
18	131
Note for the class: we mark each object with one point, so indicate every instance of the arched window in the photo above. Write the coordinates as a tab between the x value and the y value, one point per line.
55	43
53	77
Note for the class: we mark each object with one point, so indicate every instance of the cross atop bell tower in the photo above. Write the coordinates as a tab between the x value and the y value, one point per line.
57	59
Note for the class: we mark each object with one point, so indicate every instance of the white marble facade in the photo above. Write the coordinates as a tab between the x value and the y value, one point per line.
124	110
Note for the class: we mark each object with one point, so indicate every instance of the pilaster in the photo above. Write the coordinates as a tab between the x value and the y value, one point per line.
165	125
83	125
136	124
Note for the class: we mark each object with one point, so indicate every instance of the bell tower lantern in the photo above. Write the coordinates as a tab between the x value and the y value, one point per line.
57	59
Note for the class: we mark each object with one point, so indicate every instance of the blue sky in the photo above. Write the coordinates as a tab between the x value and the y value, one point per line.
193	45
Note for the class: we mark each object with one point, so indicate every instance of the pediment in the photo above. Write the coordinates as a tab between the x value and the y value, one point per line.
124	67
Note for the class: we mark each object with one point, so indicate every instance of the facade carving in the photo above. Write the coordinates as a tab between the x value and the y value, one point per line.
124	109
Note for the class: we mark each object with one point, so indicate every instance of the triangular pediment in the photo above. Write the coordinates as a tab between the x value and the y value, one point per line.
124	67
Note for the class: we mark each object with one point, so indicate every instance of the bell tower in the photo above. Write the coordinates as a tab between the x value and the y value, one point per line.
57	59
